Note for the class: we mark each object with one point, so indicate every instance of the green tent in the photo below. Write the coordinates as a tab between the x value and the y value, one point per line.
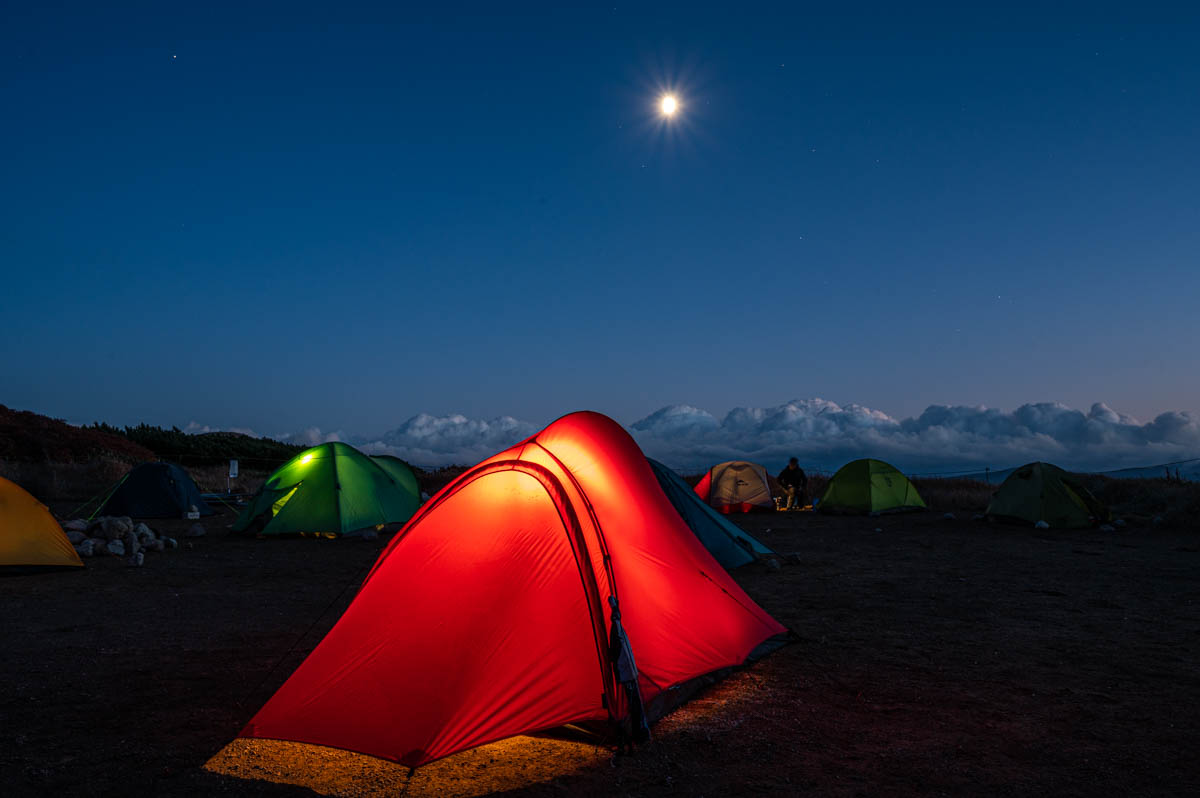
1044	492
328	490
870	486
400	473
731	546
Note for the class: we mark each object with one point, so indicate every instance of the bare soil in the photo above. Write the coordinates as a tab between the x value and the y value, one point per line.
935	657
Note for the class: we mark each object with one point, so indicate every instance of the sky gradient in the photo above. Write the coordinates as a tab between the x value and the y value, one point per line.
279	218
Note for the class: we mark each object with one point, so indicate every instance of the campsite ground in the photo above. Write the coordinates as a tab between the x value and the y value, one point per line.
935	657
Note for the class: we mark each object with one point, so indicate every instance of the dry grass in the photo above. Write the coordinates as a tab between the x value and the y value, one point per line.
947	495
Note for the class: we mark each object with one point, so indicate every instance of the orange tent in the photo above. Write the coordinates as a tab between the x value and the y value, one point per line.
552	584
29	535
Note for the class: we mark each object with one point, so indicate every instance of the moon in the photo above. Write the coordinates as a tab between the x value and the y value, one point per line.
669	105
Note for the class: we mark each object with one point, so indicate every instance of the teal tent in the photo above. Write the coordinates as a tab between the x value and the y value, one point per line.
728	543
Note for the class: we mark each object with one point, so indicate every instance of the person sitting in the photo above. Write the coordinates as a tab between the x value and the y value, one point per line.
795	483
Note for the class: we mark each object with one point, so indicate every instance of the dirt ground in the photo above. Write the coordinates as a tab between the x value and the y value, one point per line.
943	657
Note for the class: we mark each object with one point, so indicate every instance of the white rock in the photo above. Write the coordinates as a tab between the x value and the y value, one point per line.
86	549
131	544
136	561
877	529
78	525
99	545
195	531
143	533
977	517
1120	523
155	545
116	548
114	528
1157	520
172	543
773	564
75	536
1107	528
1041	525
949	516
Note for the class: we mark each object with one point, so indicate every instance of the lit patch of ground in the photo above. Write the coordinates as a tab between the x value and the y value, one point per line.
505	765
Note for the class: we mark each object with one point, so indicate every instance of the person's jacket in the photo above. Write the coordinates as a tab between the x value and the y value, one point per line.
793	477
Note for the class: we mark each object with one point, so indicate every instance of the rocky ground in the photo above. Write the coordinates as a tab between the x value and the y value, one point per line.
936	656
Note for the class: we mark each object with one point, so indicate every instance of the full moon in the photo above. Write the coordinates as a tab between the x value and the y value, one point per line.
669	105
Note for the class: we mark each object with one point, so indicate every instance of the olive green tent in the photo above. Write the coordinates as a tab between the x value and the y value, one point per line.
870	486
1044	492
329	490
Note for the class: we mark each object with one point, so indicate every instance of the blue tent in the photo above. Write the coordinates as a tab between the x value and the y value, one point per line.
729	544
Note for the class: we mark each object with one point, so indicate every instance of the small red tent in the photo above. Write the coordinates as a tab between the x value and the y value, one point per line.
489	614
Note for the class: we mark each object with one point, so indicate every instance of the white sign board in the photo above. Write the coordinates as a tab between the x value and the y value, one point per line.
233	469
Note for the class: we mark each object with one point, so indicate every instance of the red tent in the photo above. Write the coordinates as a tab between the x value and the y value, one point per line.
489	614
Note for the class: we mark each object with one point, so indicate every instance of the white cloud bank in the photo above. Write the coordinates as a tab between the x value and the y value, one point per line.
823	434
943	438
427	440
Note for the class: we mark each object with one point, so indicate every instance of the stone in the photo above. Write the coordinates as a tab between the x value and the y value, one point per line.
78	525
1041	525
76	537
155	545
100	545
1120	523
86	549
370	534
136	561
1107	528
877	529
143	533
115	528
1157	520
948	516
171	543
773	564
977	517
116	548
131	544
195	531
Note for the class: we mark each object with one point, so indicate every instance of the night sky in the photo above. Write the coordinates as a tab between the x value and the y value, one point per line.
277	217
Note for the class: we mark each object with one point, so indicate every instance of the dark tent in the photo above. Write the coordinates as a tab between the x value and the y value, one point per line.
1044	492
155	490
727	543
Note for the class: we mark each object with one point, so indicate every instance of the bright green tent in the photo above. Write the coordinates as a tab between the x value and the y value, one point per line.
870	486
731	546
400	473
328	490
1044	492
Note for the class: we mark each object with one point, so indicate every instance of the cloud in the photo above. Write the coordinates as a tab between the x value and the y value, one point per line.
825	435
193	428
448	440
310	436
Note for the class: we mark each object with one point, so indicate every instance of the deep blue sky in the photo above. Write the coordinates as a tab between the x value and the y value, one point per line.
282	217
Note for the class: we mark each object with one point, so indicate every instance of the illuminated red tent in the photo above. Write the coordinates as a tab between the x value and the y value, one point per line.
489	614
